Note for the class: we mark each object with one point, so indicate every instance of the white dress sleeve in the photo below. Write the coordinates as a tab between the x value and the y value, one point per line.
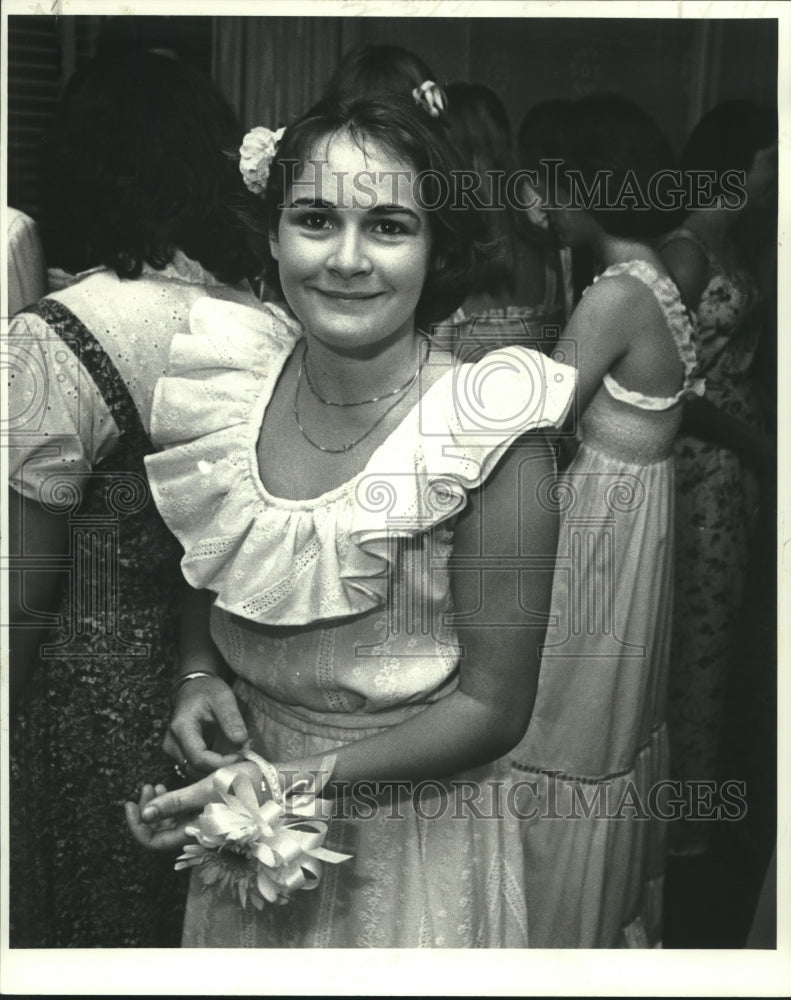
27	273
58	422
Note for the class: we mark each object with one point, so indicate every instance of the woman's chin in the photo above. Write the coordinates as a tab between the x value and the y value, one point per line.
356	338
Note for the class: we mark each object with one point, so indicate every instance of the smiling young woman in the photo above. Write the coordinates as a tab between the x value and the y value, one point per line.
354	275
339	462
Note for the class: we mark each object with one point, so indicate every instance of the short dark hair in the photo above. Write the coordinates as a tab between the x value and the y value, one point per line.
404	129
727	138
598	134
480	130
543	125
375	69
143	160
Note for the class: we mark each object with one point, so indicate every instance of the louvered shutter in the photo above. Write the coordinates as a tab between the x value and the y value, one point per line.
43	52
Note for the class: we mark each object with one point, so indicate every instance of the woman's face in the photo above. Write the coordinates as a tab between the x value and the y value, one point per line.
571	226
353	246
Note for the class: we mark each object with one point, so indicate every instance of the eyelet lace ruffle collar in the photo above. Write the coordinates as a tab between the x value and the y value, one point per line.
291	562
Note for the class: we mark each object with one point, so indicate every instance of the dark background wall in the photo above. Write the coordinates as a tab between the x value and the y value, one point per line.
271	68
676	69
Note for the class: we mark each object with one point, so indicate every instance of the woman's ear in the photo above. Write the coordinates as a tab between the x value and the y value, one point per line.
439	262
274	245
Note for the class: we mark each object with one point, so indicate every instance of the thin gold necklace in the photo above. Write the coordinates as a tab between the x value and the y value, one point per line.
403	389
362	402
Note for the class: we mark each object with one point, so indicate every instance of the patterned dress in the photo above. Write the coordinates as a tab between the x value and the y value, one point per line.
333	614
597	746
717	497
470	332
83	363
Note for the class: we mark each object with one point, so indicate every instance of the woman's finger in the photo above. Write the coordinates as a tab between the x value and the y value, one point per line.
172	747
229	718
170	837
203	761
142	832
207	761
190	799
181	800
188	733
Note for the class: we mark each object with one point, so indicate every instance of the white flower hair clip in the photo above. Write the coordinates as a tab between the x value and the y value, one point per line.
431	97
256	154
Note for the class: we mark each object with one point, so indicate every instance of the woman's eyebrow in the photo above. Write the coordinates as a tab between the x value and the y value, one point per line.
393	210
375	210
309	203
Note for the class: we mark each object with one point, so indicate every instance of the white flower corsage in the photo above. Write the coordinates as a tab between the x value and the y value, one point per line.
256	154
262	851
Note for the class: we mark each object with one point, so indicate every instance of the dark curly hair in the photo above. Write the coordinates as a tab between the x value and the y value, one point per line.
480	130
404	129
604	136
142	161
727	138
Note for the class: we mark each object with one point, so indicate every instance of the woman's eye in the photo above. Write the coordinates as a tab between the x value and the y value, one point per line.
388	227
314	220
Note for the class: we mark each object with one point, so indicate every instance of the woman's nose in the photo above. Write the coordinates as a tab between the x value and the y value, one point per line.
349	256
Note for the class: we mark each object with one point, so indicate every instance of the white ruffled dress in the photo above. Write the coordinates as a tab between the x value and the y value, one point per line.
596	750
332	612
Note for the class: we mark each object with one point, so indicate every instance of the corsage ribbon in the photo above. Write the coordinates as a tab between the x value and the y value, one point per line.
264	851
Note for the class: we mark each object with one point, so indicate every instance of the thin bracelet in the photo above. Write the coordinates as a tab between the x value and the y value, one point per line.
269	777
181	681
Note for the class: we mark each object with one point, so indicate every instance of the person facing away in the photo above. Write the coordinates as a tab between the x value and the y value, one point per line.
561	275
723	258
146	213
322	467
377	69
596	747
505	286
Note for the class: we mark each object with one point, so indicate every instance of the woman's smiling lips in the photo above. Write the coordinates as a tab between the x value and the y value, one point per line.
346	295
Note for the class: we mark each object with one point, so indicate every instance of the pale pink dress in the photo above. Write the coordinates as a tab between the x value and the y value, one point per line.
597	742
333	614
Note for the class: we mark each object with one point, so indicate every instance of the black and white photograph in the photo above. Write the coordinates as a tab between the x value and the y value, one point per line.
392	519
